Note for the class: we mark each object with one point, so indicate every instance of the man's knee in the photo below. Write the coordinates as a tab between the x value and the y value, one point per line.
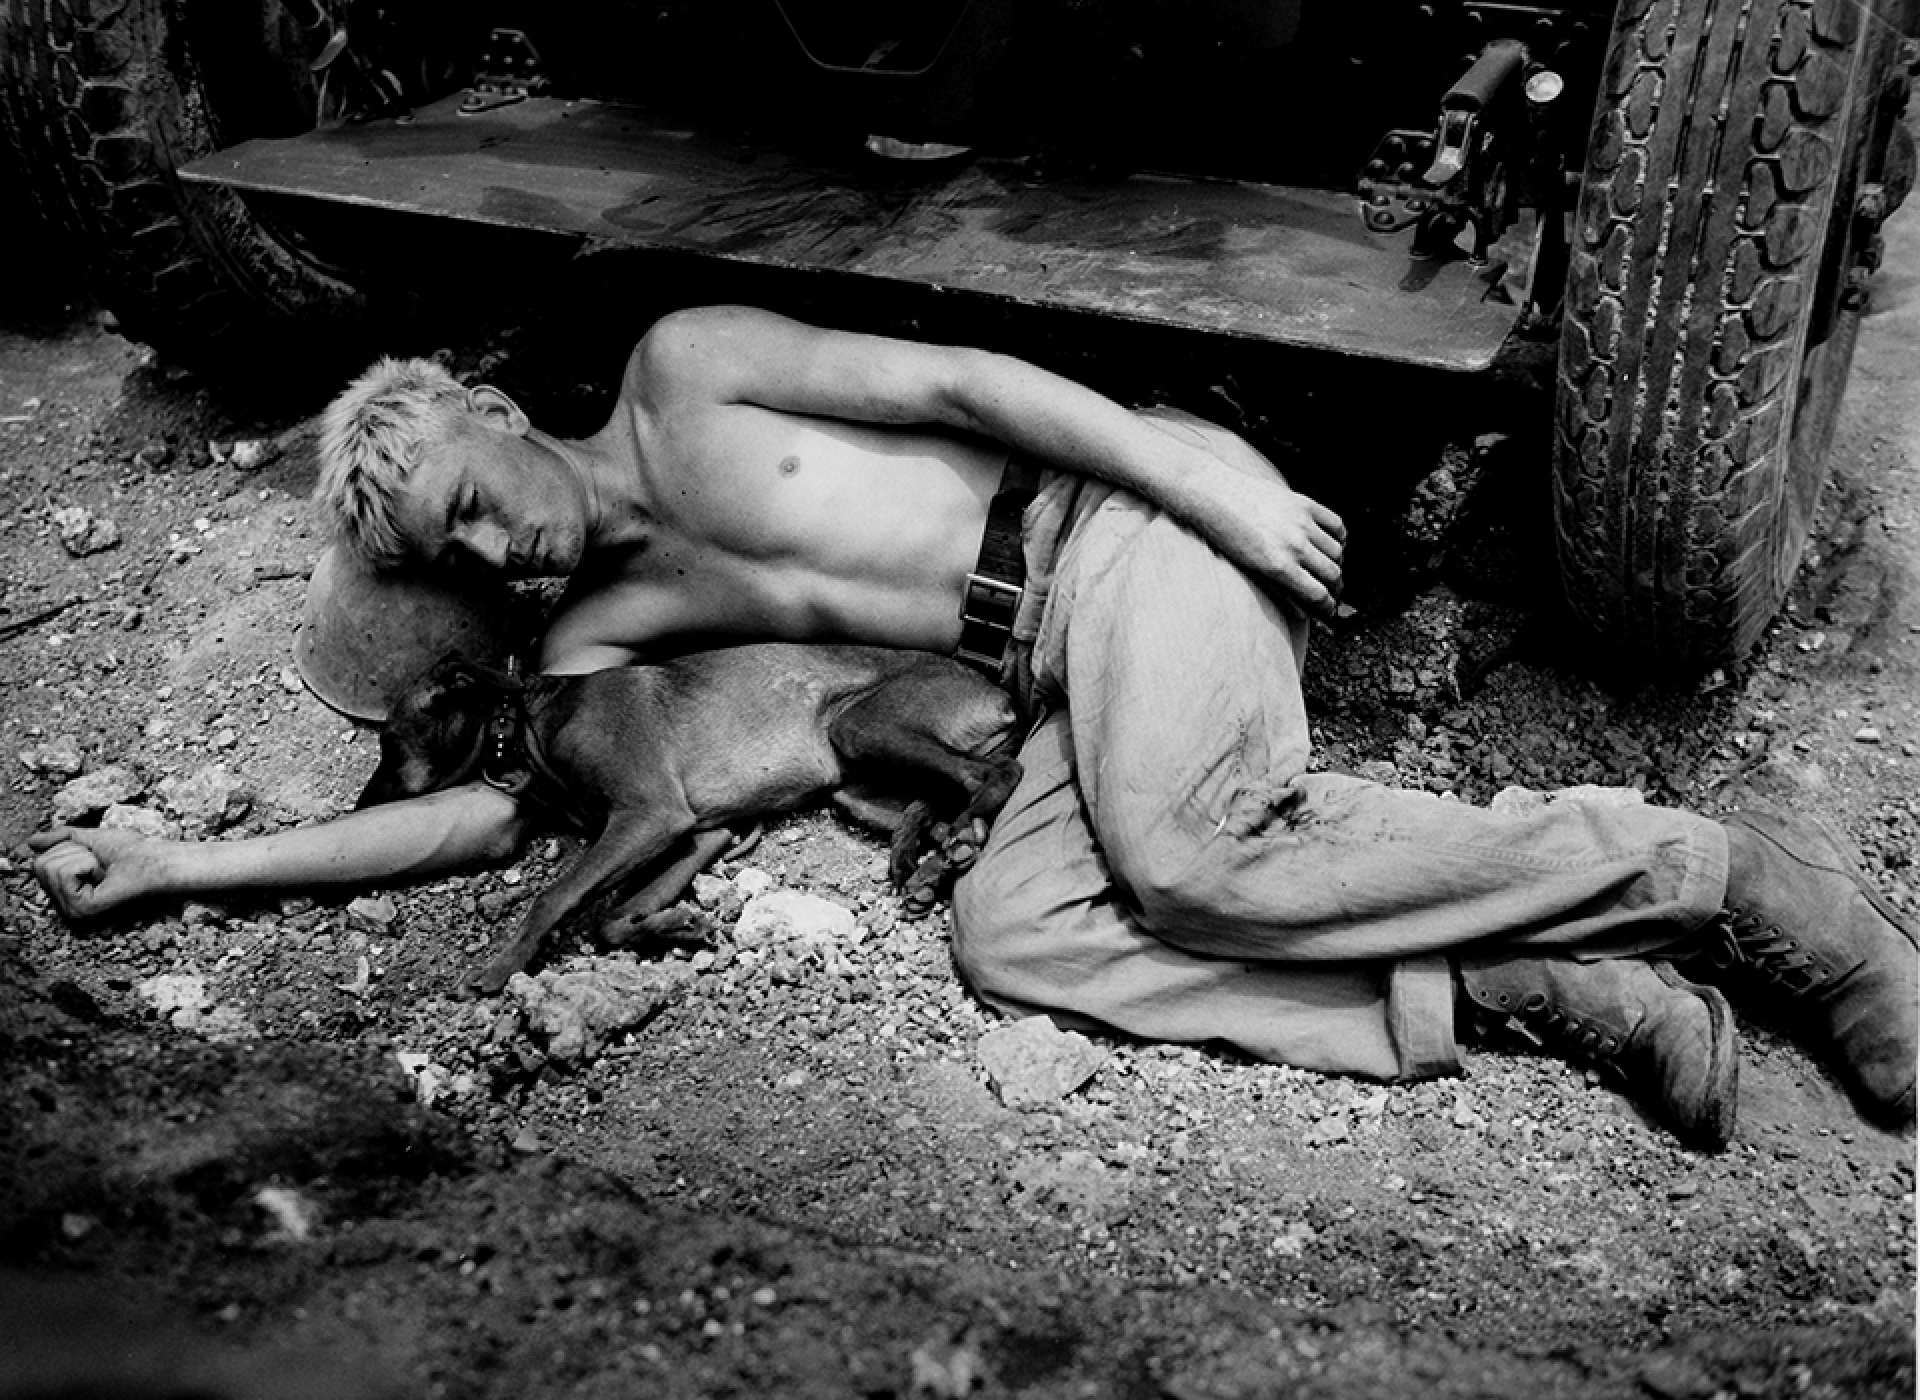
1163	879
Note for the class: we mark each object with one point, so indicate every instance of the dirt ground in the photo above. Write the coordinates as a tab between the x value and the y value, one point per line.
262	1150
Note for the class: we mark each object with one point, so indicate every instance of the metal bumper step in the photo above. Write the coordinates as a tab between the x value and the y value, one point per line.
1267	263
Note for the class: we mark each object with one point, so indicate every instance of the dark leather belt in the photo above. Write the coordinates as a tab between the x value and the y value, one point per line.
992	595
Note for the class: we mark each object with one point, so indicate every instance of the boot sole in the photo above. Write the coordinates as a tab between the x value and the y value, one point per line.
1715	1132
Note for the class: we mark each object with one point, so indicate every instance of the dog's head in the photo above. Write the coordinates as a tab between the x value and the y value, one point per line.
436	733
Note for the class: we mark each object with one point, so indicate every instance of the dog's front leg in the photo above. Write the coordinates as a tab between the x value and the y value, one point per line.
629	841
628	920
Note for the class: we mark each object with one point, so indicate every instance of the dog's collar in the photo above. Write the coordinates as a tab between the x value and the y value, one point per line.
506	764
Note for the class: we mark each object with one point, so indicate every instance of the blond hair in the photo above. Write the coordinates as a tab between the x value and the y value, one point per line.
370	439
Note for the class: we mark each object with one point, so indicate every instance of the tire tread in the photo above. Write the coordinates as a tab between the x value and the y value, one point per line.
1680	339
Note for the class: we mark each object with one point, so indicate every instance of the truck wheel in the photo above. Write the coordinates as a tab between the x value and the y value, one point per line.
1704	344
101	101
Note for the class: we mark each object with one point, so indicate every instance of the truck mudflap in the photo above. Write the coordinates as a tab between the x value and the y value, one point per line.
1260	262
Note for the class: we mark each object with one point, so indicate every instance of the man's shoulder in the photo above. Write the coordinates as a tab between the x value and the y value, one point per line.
681	360
693	334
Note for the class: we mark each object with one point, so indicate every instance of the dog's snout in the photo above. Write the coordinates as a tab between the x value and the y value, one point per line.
390	782
380	788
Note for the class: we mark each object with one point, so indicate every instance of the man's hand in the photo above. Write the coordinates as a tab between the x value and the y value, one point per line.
1284	540
88	872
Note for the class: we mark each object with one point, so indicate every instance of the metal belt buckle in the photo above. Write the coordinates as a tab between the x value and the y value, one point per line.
987	609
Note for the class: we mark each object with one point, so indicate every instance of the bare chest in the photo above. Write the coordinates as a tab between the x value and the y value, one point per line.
772	485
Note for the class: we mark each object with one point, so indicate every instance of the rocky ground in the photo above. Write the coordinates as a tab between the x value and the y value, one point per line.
261	1149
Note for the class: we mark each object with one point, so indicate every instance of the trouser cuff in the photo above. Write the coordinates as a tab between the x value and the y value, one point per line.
1420	1017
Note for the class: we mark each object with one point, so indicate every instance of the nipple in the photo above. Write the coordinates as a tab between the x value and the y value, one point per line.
789	465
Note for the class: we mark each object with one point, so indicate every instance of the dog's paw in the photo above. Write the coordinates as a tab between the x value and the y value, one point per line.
682	924
915	832
924	885
489	979
955	850
961	845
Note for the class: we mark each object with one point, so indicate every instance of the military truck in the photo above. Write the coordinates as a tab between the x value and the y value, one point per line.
1685	195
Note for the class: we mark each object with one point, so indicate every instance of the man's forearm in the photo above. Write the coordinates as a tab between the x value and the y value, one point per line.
399	842
1202	476
1068	425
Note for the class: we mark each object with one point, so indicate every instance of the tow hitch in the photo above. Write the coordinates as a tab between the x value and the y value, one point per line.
1465	173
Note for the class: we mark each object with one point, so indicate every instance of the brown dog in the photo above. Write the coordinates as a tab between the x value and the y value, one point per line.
657	761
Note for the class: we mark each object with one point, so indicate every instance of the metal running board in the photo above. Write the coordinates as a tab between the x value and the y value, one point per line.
1267	263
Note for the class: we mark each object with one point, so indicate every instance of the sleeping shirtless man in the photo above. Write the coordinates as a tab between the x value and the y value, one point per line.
1169	865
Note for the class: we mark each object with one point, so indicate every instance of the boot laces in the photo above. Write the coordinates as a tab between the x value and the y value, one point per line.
1767	950
1541	1021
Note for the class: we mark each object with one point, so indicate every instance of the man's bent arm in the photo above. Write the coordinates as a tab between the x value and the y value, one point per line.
91	871
1276	534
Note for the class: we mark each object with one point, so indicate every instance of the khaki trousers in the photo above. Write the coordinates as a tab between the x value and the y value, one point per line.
1168	868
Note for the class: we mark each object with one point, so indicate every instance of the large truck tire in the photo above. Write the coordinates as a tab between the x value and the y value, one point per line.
101	102
1708	328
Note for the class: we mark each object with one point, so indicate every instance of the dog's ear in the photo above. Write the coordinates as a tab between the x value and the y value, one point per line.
434	732
455	671
460	679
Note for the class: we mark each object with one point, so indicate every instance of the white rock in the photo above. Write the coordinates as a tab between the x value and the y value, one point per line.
83	533
1465	1115
578	1007
174	991
294	1216
60	757
142	821
206	801
374	913
1292	1240
751	882
1336	1127
709	890
95	792
783	916
1073	1179
1033	1063
251	454
430	1080
183	999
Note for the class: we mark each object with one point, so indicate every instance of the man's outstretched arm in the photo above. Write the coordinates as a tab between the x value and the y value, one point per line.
1286	540
89	871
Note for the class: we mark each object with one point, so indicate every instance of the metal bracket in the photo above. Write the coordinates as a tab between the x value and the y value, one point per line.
1392	197
1456	175
509	70
1455	143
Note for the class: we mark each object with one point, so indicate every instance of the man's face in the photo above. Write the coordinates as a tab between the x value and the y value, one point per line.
482	493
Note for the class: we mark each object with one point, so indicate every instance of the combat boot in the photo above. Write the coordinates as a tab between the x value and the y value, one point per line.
1668	1043
1808	943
